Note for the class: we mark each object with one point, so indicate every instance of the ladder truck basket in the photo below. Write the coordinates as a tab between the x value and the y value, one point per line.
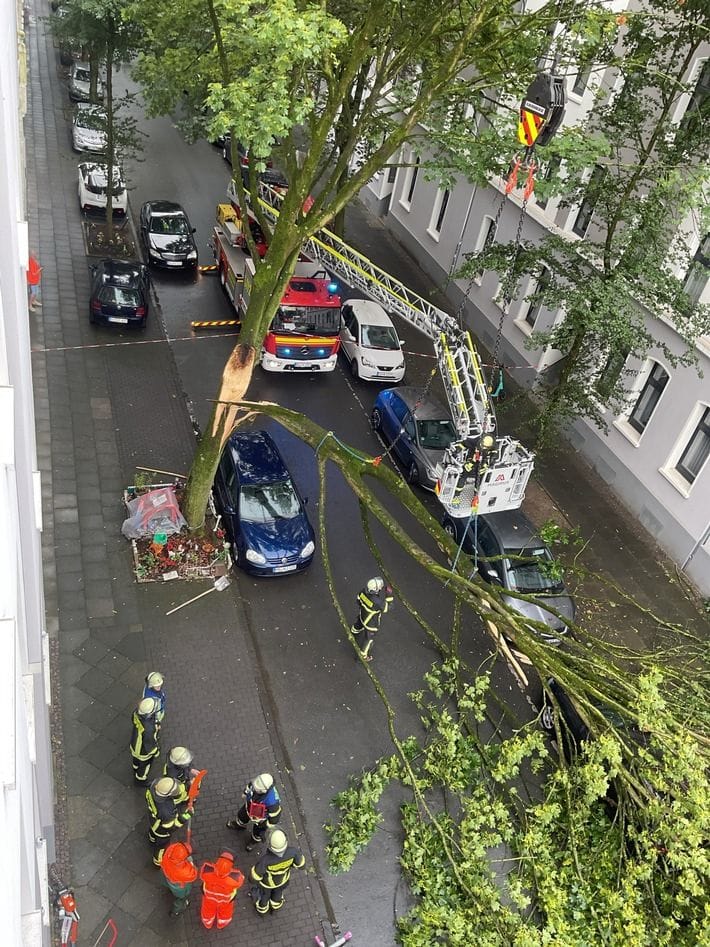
465	387
501	485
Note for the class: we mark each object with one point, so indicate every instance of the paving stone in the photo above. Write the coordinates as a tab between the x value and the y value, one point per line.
71	638
112	880
99	607
76	738
94	908
135	850
133	646
140	899
95	683
74	702
107	793
110	832
83	816
93	652
86	859
100	751
97	714
120	697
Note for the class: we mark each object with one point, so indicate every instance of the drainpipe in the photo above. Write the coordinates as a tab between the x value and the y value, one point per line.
699	543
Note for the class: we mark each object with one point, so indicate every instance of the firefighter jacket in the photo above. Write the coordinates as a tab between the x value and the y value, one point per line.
166	814
144	739
158	695
273	871
221	880
270	799
183	774
177	866
372	605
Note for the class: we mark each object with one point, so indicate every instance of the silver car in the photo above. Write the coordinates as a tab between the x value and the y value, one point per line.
88	130
80	83
419	429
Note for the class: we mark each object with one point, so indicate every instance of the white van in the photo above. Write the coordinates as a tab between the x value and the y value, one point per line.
370	342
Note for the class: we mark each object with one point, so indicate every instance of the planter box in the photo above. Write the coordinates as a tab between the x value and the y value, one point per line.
187	555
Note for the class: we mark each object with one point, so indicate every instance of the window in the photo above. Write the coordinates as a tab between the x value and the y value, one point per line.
543	281
551	169
697	450
609	375
486	236
648	397
590	201
696	279
697	106
391	173
409	180
439	211
581	80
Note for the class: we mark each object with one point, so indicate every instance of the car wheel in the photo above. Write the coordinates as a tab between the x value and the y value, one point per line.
547	716
376	419
413	473
225	154
222	277
354	371
450	529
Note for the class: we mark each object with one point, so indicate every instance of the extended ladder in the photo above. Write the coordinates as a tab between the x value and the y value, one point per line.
480	470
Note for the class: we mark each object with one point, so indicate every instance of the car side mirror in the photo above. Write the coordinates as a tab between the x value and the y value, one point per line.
194	230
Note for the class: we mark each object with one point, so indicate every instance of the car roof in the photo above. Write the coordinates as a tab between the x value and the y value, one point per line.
164	207
99	171
513	529
121	271
371	311
257	458
427	407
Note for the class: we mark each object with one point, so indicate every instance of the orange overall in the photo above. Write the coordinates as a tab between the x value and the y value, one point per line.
220	883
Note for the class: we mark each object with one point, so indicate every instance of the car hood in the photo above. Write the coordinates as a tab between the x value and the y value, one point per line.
563	604
90	134
280	539
171	243
388	358
433	459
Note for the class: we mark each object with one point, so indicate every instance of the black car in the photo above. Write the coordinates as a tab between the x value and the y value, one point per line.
166	235
119	293
511	554
263	512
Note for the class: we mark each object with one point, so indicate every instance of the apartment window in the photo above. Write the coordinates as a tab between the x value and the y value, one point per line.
551	169
697	450
648	398
609	375
696	279
486	236
410	182
581	80
543	281
439	211
697	106
391	173
589	203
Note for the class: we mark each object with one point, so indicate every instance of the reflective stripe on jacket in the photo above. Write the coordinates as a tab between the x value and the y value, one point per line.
274	871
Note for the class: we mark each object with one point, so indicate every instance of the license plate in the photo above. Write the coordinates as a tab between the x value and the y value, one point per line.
119	319
285	568
173	263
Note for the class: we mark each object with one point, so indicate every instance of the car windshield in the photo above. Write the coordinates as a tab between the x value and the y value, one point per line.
435	435
117	296
380	337
96	183
81	74
169	223
529	573
267	502
307	320
91	118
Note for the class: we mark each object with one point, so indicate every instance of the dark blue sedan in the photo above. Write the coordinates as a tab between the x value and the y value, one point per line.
263	512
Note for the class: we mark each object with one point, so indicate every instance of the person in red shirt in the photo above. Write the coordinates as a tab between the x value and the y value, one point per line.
34	275
220	883
179	872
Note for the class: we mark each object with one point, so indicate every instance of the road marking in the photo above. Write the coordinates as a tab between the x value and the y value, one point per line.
110	345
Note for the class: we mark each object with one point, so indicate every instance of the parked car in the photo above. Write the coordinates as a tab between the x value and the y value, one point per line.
166	235
263	512
243	156
511	554
80	83
93	188
88	131
119	293
68	53
369	342
419	429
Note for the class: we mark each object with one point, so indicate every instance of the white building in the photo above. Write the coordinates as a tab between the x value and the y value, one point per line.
655	454
26	787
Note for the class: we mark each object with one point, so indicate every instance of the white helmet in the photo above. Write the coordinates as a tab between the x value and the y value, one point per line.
376	584
180	756
278	843
154	679
263	783
166	787
148	706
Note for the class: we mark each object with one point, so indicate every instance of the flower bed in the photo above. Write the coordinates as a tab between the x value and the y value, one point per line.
189	554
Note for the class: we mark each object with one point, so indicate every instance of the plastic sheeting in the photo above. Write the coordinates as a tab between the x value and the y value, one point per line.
153	512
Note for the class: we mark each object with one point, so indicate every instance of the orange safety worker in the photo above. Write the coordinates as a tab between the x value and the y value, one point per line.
179	872
34	277
220	883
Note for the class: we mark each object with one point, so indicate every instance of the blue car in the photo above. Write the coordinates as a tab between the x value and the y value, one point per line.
263	512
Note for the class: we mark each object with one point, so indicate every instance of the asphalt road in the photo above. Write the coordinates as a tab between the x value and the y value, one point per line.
329	720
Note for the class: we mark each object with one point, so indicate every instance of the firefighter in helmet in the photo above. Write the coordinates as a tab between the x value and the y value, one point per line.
179	765
272	872
373	602
154	688
261	808
167	811
144	738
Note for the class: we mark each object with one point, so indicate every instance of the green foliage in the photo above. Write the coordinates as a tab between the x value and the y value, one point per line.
502	846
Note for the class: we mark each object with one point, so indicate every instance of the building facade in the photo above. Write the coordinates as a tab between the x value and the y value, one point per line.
26	786
655	454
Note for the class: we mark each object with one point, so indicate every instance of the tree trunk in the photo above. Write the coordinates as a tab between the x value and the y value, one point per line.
550	416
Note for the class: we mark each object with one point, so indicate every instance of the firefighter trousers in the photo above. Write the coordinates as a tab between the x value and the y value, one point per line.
266	899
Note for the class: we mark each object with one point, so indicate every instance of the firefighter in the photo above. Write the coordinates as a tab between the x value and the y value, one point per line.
220	882
373	602
179	872
272	872
178	764
167	811
144	739
261	808
154	688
